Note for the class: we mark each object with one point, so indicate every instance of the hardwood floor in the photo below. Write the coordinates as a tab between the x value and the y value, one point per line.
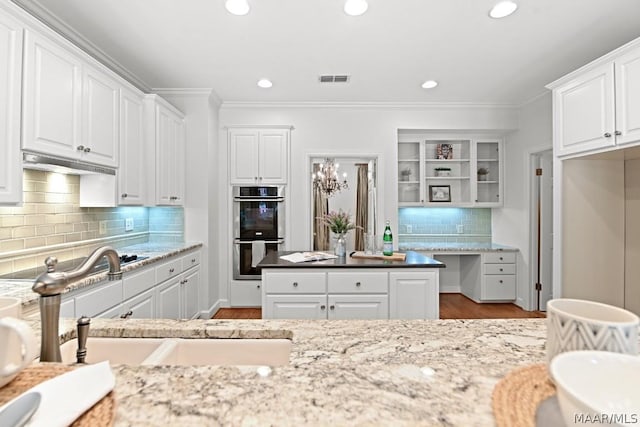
452	306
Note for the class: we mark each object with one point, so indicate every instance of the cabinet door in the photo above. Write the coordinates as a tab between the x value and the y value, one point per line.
243	156
112	313
273	154
170	158
414	295
134	154
142	306
583	112
10	80
51	97
358	306
168	301
410	173
488	186
100	117
294	307
628	98
190	285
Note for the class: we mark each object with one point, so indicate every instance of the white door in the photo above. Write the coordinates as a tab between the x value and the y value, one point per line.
273	154
358	306
584	112
134	153
190	293
546	228
294	307
628	98
168	300
414	295
243	156
10	97
52	94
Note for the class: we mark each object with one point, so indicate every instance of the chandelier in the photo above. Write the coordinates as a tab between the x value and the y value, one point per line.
326	178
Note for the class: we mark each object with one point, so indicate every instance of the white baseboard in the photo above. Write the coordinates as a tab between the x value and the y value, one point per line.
450	289
208	314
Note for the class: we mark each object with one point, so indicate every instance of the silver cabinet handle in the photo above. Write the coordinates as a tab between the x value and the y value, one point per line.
171	270
193	260
295	284
618	133
258	286
332	307
358	284
80	148
127	315
125	195
87	149
322	307
501	258
607	135
255	178
260	178
501	281
186	280
501	269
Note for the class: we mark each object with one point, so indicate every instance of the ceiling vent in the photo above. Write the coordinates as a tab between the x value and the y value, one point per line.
338	78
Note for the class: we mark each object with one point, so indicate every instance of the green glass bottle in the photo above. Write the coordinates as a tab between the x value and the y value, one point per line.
387	241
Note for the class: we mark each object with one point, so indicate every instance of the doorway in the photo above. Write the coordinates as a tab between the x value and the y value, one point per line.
541	214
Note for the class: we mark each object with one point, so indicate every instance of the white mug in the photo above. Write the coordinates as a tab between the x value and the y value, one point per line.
18	348
574	324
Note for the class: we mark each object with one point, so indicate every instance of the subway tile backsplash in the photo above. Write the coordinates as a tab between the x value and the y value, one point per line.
442	225
51	222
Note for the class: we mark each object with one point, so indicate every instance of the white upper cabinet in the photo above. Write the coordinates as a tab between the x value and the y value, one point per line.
134	155
167	134
258	156
10	78
100	118
52	95
598	108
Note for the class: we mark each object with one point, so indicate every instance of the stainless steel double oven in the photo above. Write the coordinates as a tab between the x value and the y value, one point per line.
259	227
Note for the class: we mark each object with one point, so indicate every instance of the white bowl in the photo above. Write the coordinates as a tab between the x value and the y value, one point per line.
597	387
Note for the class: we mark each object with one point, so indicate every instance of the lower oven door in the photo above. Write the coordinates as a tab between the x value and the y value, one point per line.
243	265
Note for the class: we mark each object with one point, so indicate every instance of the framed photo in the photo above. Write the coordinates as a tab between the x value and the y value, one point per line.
439	193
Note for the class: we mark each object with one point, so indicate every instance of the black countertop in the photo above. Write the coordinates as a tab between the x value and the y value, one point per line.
413	260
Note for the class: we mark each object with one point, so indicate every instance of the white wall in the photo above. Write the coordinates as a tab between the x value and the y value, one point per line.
346	130
510	224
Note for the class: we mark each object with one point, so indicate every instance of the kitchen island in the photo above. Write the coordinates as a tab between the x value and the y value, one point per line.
355	372
350	288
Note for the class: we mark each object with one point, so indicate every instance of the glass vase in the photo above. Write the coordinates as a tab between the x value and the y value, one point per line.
340	247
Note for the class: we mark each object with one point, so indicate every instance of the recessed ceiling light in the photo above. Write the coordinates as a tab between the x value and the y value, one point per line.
265	83
355	7
429	84
503	9
237	7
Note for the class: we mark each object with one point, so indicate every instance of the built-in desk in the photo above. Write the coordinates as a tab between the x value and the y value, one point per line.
348	288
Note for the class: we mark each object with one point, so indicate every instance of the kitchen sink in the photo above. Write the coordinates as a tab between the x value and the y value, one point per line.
178	351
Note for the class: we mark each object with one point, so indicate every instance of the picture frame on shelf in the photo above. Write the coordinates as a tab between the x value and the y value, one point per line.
440	193
444	152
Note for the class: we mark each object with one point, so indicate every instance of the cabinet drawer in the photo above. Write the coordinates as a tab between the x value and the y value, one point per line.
138	282
190	260
499	269
351	282
287	283
499	287
168	270
94	302
499	257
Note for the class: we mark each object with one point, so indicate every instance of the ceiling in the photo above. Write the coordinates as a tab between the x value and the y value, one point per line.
388	52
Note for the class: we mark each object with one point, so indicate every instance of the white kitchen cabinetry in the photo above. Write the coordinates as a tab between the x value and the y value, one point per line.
490	277
597	108
258	156
177	297
412	295
167	132
52	97
142	306
168	299
309	306
10	97
425	178
134	153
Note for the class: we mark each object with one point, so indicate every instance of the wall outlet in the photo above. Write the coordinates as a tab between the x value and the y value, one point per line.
128	224
460	228
103	227
409	229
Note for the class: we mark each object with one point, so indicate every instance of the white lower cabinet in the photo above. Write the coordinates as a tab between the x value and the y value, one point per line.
168	299
489	276
190	293
142	306
414	295
345	294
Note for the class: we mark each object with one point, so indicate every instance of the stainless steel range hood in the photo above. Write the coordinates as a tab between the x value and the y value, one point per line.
60	165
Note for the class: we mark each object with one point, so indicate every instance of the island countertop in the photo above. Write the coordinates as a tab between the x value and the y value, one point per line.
413	260
352	372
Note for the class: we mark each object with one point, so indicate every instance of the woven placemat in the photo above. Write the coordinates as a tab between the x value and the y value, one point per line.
101	414
517	396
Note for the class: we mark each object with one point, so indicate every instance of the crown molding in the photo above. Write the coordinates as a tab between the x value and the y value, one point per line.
176	91
52	21
533	99
368	105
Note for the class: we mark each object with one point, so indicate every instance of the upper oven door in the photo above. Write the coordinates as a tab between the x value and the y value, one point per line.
259	218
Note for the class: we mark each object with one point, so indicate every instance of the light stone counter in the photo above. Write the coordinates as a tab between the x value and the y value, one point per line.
340	373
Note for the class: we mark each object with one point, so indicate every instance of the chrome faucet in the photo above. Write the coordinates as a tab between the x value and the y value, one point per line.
52	283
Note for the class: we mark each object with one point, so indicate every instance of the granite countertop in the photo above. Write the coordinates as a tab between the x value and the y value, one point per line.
155	252
353	372
413	260
454	247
